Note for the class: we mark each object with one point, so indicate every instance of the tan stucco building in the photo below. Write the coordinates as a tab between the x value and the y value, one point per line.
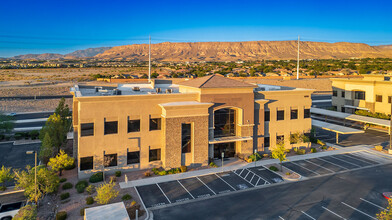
160	124
372	93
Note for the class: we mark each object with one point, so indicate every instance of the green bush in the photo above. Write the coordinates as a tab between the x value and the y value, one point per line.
162	173
320	142
61	215
64	196
301	151
67	186
89	200
90	189
82	211
324	147
117	173
3	188
273	168
81	185
96	177
63	180
126	197
17	136
155	171
313	150
2	137
183	169
254	157
373	115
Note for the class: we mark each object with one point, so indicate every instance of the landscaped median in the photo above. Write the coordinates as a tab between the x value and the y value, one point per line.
284	172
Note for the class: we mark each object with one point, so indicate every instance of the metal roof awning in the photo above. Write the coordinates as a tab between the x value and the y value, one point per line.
355	107
335	128
353	117
229	139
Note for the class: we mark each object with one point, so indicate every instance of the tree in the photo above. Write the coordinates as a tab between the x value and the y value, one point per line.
56	130
386	214
6	124
47	182
5	175
46	150
28	212
106	192
279	152
61	161
64	112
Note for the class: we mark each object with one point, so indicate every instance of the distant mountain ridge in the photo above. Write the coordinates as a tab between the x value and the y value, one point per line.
89	52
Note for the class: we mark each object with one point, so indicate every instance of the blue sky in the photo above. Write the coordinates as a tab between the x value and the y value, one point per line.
62	26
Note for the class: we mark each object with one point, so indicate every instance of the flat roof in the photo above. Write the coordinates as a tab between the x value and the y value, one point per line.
336	128
353	117
112	211
185	103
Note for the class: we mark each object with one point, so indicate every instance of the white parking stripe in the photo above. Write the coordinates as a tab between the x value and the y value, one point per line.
359	211
258	181
225	181
367	156
308	215
246	180
305	168
379	155
333	213
344	161
374	204
331	163
246	175
206	185
375	156
241	171
281	218
266	182
348	155
252	178
185	189
320	166
163	193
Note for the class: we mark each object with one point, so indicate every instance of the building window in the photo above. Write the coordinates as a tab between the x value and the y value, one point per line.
343	94
294	114
133	126
266	142
155	124
334	93
389	99
111	127
186	138
359	95
343	109
87	129
110	160
86	163
378	98
280	115
266	115
279	138
307	113
133	157
155	154
224	122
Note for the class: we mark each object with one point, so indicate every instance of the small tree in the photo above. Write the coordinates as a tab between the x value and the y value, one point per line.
5	175
54	126
28	212
6	124
61	161
106	193
46	150
279	152
387	213
64	112
47	182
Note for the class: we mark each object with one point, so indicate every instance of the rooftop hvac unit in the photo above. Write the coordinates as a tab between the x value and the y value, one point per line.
136	88
158	90
169	90
97	88
116	92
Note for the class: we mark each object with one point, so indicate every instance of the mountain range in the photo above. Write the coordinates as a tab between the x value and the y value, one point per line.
228	51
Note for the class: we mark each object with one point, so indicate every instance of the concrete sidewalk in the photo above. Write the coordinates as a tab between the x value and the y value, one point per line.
166	178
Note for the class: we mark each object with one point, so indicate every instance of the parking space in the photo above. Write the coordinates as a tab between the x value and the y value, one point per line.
241	179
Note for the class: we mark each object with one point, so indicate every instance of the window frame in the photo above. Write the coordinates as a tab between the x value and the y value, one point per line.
158	156
186	138
129	123
92	163
158	124
106	124
269	142
343	94
307	113
282	115
291	114
115	159
358	95
335	93
378	98
90	132
138	157
265	115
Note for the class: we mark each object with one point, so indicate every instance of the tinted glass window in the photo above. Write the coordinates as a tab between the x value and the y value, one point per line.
86	163
186	138
266	141
307	113
111	127
334	93
378	98
343	94
224	122
294	114
133	157
11	207
133	126
155	155
359	95
110	160
155	124
267	116
280	115
87	129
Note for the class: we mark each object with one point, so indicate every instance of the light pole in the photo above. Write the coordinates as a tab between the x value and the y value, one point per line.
35	173
223	155
255	156
390	133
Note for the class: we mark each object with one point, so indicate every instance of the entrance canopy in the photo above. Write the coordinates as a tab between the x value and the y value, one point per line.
228	139
353	117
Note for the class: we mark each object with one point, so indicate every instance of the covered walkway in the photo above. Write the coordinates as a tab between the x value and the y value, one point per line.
338	129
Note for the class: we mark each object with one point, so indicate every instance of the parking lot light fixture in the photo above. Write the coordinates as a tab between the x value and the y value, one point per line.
35	173
255	157
223	155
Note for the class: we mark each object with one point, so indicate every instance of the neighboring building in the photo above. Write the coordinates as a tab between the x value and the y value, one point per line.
372	93
140	126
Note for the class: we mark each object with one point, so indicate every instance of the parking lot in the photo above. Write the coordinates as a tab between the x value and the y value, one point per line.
181	190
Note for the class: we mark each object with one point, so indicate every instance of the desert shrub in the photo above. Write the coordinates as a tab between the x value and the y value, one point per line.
67	186
324	147
162	173
183	169
18	136
64	196
61	215
133	203
96	177
148	173
288	150
126	197
63	180
301	151
155	171
82	211
81	185
313	150
288	173
117	173
320	142
3	188
378	147
254	157
89	200
265	155
212	164
90	189
273	168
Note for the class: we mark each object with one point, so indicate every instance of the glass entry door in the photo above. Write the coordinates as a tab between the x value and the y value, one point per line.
227	148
